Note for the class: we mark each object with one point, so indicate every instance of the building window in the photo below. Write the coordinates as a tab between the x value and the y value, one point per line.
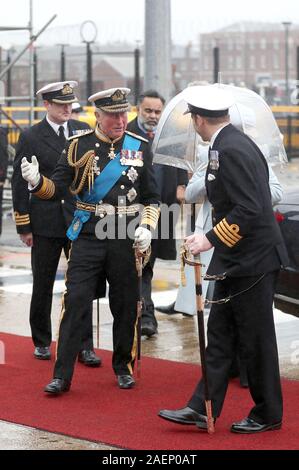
263	43
230	44
276	61
263	62
206	63
252	62
238	62
230	62
276	44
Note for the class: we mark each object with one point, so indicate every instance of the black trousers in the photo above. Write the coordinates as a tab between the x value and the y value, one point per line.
148	311
45	255
90	260
251	314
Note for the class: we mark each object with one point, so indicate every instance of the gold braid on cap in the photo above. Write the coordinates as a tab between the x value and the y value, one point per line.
86	160
150	216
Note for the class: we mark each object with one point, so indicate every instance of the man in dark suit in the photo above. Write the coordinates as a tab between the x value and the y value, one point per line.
248	253
42	224
171	184
3	167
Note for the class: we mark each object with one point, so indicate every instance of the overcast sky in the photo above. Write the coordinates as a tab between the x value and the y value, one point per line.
121	20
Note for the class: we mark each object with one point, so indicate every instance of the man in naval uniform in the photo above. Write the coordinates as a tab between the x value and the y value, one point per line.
248	253
110	172
42	224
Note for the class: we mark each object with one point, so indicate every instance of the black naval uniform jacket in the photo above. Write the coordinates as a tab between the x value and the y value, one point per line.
245	234
142	184
167	185
41	217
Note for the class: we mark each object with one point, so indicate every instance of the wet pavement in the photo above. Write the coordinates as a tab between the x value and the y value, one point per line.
17	437
177	338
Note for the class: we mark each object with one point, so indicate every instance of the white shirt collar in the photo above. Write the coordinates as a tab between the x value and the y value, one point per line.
55	127
213	138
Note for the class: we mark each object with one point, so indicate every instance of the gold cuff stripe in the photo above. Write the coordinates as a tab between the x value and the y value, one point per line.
20	217
152	211
228	234
221	227
150	216
23	222
26	222
149	222
222	238
47	190
233	229
224	235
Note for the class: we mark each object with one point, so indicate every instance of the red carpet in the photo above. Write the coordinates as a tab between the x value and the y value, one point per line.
96	409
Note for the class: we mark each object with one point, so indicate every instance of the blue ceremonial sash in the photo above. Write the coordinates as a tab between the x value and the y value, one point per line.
102	185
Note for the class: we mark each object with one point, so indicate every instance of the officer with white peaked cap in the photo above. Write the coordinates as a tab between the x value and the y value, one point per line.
59	92
248	253
42	224
208	100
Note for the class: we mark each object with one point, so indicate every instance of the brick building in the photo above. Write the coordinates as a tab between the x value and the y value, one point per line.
252	54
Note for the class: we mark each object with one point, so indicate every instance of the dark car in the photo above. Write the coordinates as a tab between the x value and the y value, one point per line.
287	290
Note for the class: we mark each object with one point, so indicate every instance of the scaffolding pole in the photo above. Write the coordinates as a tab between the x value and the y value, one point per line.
34	38
30	46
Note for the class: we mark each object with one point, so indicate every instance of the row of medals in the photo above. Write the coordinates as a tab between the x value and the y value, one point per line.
132	173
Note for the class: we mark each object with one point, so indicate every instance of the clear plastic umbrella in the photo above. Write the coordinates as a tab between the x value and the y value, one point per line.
176	142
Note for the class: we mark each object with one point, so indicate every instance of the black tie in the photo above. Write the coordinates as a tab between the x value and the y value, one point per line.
61	135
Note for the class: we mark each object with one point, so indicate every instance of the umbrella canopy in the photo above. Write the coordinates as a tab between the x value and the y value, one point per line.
176	141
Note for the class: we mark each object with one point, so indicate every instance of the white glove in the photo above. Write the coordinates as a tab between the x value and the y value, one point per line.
143	238
30	171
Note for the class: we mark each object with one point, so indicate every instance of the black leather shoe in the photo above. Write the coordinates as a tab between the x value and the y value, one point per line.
149	329
58	386
42	352
249	426
168	309
125	381
185	416
89	358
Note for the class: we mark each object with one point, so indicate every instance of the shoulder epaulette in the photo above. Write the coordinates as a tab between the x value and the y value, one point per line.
137	136
81	133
